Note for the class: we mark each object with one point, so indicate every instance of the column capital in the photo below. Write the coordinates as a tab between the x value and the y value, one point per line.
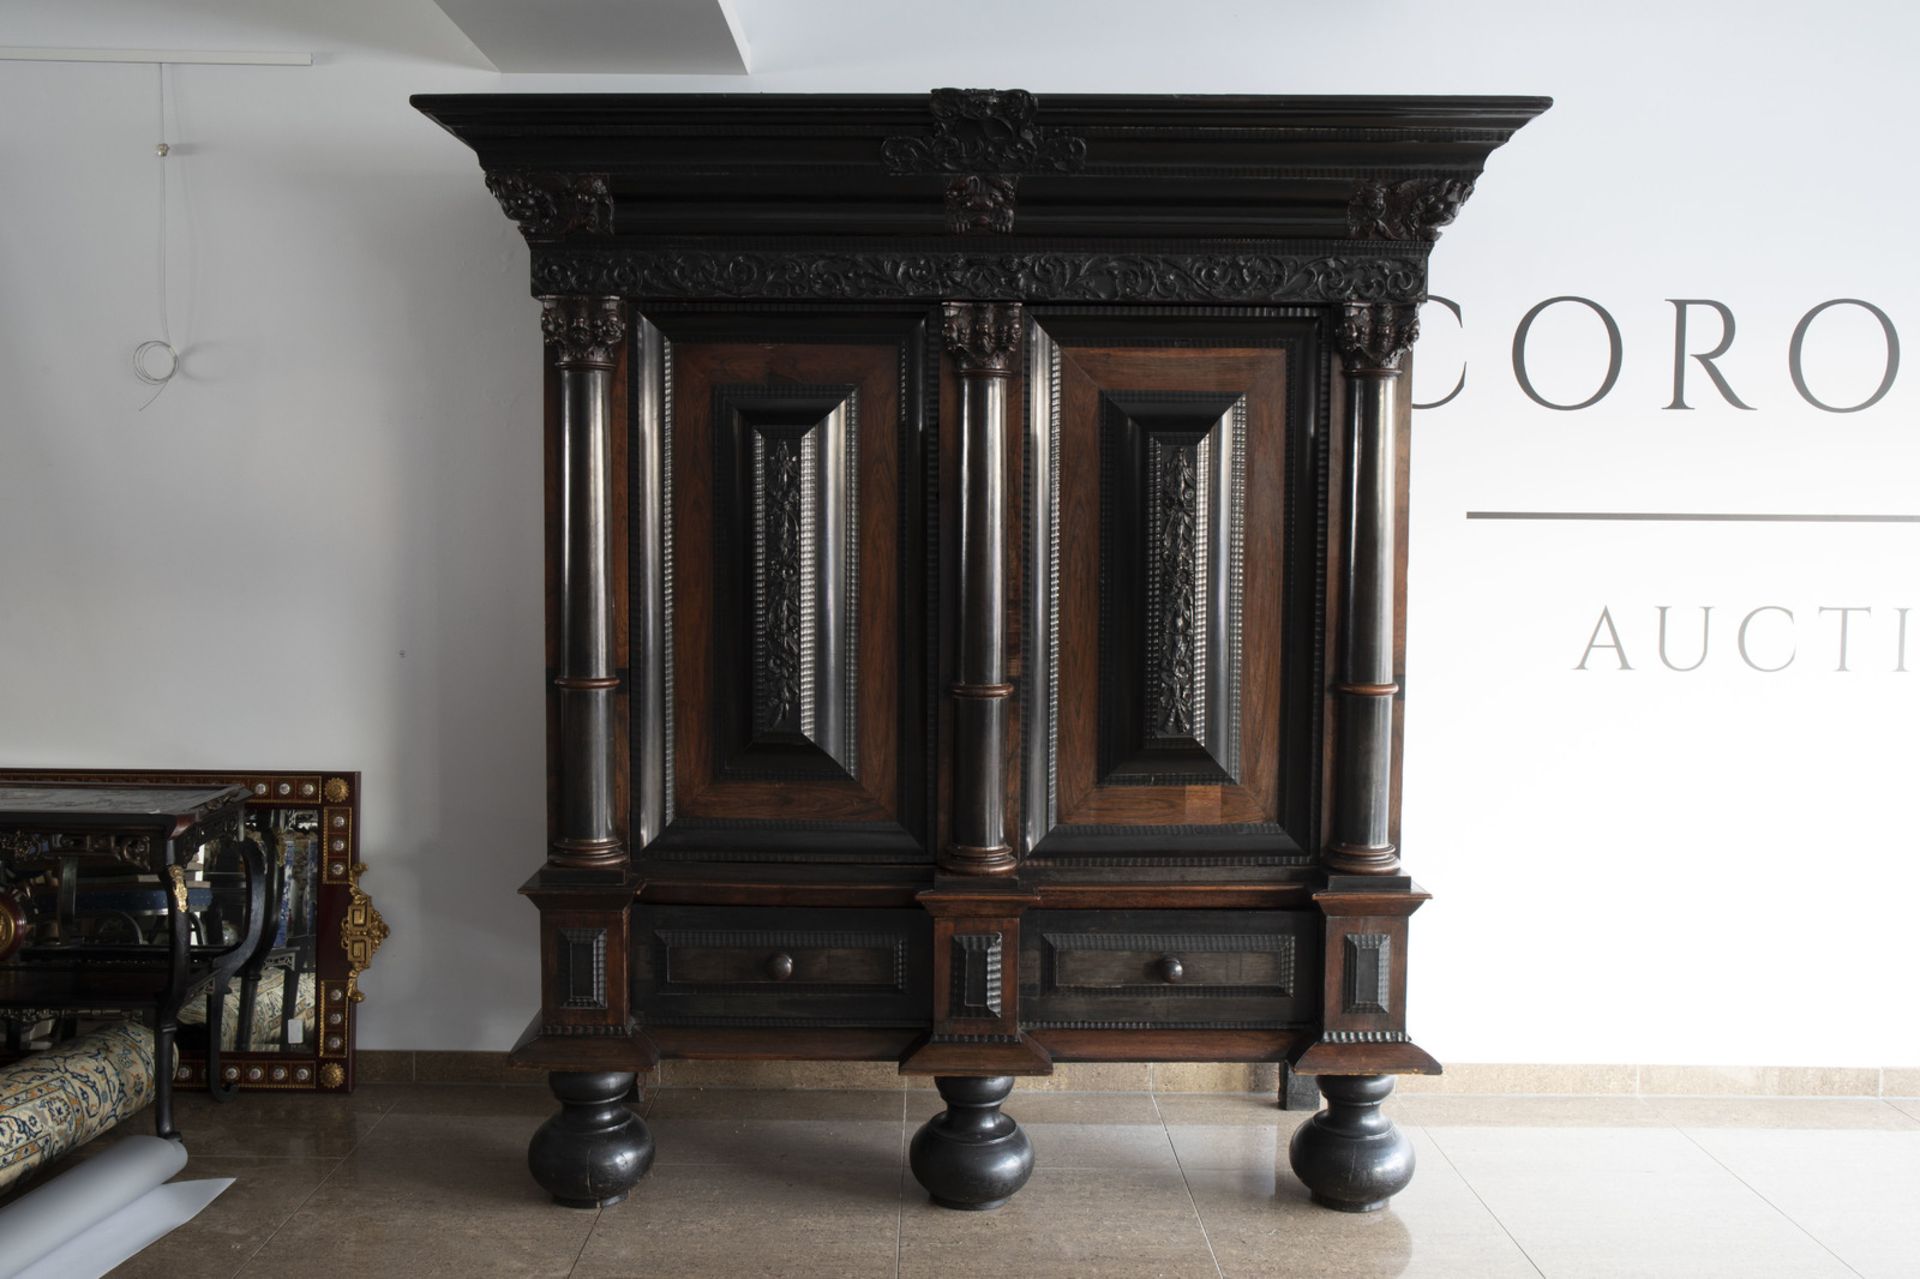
982	337
1372	336
584	332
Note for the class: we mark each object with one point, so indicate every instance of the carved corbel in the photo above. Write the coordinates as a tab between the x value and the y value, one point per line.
1408	209
547	205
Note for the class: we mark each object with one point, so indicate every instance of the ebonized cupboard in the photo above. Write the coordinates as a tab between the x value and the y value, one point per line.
977	553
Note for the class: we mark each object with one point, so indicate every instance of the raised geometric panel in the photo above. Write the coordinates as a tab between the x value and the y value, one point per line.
1368	965
976	963
580	969
1171	583
787	462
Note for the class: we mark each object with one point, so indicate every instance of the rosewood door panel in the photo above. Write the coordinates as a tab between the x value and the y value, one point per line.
793	575
1170	587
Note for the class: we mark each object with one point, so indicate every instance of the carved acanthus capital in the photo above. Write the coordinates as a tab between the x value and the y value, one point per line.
980	202
1410	209
583	332
547	206
983	337
1372	336
985	131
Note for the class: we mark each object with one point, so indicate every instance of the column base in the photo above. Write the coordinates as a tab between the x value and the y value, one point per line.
593	1153
970	1157
1350	1156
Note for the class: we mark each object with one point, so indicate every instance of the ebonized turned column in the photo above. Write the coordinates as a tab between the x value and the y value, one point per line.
1372	339
585	335
983	339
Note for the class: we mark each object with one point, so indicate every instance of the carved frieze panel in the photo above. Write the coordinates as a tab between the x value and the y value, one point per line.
1407	209
985	131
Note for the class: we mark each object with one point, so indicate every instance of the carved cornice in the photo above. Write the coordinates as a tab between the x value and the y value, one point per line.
1372	336
985	131
983	337
548	205
583	331
981	202
935	275
1409	209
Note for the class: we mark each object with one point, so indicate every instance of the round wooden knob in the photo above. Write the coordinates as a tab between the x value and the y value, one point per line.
1171	969
780	966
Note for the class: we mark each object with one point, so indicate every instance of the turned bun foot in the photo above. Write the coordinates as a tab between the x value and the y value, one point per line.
595	1150
1350	1155
970	1156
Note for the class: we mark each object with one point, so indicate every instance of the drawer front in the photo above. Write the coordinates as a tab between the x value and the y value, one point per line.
700	966
1214	969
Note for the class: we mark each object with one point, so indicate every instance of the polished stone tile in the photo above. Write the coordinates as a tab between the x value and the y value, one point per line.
725	1126
827	1219
1225	1108
472	1068
1607	1202
1760	1081
1086	1130
1900	1082
1213	1076
1548	1080
1097	1224
1783	1112
1445	1111
461	1099
781	1074
456	1203
274	1125
1854	1191
383	1066
1262	1224
1258	1148
1907	1106
218	1242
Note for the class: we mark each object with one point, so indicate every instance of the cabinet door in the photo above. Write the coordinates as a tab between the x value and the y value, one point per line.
1173	465
792	583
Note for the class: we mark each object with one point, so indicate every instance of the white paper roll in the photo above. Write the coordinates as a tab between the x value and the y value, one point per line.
81	1198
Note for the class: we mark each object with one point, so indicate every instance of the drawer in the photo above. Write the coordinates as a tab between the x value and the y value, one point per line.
704	966
1093	969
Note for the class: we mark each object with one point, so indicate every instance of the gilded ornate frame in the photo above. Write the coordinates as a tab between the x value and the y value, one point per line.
345	913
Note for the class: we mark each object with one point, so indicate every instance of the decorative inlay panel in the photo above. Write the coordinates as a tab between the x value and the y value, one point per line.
581	967
798	449
1172	517
976	963
1367	964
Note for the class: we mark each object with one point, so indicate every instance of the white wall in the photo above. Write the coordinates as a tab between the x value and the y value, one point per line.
321	545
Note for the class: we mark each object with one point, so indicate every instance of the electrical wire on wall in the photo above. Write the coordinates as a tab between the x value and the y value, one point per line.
156	360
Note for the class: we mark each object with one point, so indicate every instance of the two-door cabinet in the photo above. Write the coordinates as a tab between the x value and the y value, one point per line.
976	564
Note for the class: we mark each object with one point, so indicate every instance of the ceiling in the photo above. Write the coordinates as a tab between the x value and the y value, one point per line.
627	36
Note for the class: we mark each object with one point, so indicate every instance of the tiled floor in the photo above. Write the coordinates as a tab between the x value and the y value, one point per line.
422	1180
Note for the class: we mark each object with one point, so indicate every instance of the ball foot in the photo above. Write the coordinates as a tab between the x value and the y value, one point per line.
1350	1156
970	1157
593	1153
